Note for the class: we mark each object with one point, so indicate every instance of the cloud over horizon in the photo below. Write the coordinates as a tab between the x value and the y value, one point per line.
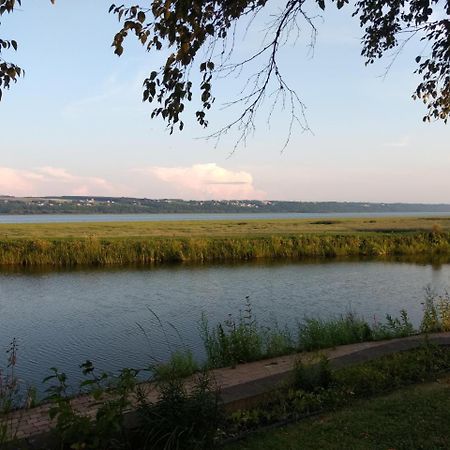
204	182
198	181
49	180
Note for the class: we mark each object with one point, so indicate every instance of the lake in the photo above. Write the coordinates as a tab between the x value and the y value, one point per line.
67	218
62	318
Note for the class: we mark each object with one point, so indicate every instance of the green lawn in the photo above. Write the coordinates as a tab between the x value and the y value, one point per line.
416	417
234	228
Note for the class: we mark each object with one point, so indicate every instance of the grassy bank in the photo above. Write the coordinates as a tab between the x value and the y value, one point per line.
414	417
148	243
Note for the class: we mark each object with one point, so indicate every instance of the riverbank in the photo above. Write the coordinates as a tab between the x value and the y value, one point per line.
251	387
103	244
413	417
237	375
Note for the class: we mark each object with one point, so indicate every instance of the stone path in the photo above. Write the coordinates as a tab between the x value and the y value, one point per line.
239	386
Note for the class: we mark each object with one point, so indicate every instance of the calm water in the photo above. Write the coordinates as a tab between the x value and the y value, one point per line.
64	218
62	318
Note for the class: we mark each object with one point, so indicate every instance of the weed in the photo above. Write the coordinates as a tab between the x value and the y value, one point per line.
436	312
15	398
242	340
180	365
394	327
76	430
183	417
316	334
310	377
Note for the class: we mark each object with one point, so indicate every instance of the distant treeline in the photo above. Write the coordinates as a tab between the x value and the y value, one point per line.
146	251
113	205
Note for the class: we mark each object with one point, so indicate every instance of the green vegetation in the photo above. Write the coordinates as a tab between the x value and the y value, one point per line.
180	365
413	417
241	340
181	417
14	397
188	414
101	244
226	228
315	334
436	312
318	388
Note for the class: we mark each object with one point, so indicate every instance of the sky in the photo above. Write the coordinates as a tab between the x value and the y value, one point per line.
75	125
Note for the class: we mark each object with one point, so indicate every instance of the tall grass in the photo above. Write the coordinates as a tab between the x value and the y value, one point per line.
122	251
315	334
243	339
436	312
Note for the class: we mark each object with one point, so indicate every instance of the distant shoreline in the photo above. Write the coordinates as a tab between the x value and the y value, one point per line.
68	205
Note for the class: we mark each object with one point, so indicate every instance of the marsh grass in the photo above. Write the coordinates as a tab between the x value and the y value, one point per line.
146	250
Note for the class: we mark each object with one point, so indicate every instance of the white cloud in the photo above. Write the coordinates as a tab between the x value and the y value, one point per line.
204	181
402	142
51	181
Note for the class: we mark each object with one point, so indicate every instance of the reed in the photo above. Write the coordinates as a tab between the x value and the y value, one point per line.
94	251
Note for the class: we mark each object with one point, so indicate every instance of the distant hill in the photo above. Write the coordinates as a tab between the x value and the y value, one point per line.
125	205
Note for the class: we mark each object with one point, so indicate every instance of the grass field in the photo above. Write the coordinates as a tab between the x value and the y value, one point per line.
224	228
417	417
118	243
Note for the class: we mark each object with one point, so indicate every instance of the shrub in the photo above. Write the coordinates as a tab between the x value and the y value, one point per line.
75	430
310	377
182	418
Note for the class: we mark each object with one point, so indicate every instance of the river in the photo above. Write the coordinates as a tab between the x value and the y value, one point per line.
62	318
69	218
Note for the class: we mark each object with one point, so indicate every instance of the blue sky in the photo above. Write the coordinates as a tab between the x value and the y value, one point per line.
76	125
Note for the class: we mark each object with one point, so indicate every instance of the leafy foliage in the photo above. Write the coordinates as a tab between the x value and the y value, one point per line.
198	39
9	73
184	28
183	417
106	431
386	22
